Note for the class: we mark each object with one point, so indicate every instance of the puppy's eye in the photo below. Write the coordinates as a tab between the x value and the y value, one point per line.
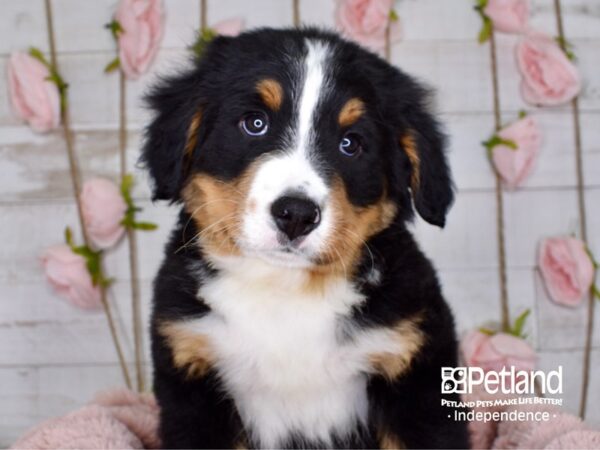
351	144
255	124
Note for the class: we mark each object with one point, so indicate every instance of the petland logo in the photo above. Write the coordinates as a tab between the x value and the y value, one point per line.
461	380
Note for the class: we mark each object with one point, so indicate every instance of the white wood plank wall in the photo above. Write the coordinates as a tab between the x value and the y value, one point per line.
53	357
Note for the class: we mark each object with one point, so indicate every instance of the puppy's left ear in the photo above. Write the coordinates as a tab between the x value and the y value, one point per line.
180	118
423	142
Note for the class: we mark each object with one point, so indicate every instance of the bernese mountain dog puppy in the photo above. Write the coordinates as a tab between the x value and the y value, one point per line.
293	308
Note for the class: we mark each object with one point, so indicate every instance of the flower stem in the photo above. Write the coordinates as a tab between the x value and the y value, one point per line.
76	181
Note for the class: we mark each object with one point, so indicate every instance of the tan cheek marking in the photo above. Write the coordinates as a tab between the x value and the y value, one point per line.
191	352
410	147
271	93
410	339
217	208
389	441
354	226
351	112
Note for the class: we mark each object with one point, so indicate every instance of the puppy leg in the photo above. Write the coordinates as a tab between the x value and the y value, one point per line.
196	414
407	413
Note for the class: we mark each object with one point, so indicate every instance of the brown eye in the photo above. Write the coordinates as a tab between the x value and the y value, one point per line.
351	144
255	124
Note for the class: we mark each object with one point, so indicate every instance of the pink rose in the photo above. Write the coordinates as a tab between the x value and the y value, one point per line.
497	351
508	16
548	77
35	99
142	24
68	275
567	269
229	27
514	165
103	208
366	21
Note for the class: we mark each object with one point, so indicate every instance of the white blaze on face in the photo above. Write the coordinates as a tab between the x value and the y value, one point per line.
292	171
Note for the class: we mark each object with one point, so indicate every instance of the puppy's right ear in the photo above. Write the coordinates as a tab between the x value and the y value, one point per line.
172	138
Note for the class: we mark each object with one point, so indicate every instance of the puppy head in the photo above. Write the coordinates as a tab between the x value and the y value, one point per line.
295	146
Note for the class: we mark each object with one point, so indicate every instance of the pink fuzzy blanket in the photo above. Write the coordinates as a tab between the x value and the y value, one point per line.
121	419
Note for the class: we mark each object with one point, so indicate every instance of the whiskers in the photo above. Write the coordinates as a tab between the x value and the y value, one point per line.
210	228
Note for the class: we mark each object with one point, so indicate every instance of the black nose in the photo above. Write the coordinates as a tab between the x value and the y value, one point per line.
295	216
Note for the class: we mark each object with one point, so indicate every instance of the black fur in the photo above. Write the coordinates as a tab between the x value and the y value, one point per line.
199	413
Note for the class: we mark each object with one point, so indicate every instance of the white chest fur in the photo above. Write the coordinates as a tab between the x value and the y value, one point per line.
279	352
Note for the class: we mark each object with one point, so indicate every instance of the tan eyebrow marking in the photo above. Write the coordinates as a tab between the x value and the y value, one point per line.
351	111
410	148
271	93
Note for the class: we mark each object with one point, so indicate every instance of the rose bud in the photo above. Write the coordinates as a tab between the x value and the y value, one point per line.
366	22
68	275
34	98
141	23
515	164
548	77
103	209
567	269
508	16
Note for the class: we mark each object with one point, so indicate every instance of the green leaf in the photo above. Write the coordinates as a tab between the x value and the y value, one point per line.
128	220
113	65
37	54
487	331
522	114
115	28
486	30
204	38
480	4
517	328
146	226
496	140
566	46
394	15
69	237
93	259
591	255
595	291
126	184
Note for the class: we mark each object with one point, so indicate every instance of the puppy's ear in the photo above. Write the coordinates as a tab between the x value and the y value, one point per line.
174	135
430	181
418	134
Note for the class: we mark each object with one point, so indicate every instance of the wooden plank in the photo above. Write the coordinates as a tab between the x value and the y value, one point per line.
468	159
18	402
590	141
468	240
571	362
78	337
258	13
318	12
433	62
472	295
446	20
593	407
532	215
41	225
39	393
22	25
22	151
581	18
81	29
